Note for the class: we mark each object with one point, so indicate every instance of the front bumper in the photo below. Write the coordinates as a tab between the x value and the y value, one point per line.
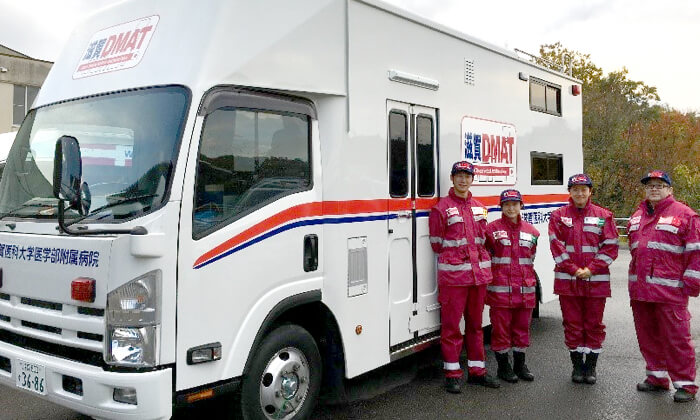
153	389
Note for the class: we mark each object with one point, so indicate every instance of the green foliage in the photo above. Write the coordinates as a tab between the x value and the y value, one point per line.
625	133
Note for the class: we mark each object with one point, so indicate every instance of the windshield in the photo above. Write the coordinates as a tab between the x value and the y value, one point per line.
128	144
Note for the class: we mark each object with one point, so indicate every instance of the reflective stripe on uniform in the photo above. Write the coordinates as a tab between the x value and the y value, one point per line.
553	238
667	228
456	267
560	259
632	277
485	264
498	289
476	363
692	273
570	248
563	276
593	229
610	242
500	260
605	258
479	241
525	261
527	244
681	384
528	289
657	373
454	219
519	349
692	246
665	247
599	277
664	282
450	366
435	240
634	245
590	249
449	243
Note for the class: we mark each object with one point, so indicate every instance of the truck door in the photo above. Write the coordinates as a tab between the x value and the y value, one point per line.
412	161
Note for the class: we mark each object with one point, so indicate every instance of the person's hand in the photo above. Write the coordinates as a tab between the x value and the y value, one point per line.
583	273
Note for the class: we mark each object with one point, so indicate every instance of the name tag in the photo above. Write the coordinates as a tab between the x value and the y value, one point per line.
635	220
452	211
480	213
524	236
598	221
568	221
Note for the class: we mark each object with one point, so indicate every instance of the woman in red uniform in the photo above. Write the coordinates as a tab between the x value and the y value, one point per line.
511	295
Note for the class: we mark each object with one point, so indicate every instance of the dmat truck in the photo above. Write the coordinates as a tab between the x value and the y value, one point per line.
234	195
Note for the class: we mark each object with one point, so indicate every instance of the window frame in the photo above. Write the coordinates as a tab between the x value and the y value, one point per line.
548	156
252	101
545	85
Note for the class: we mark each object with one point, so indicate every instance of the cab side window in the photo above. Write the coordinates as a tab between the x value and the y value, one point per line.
247	159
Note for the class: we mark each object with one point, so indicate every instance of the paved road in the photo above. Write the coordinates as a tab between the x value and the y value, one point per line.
419	395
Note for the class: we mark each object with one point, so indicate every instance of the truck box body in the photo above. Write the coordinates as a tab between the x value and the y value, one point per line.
179	110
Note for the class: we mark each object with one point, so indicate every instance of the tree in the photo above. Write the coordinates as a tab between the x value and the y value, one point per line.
625	133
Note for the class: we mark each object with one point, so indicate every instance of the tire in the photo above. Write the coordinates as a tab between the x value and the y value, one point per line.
538	298
284	378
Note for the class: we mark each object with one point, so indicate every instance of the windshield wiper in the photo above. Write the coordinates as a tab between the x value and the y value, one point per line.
32	203
117	200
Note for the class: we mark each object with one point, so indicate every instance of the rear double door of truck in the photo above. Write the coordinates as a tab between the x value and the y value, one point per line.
413	188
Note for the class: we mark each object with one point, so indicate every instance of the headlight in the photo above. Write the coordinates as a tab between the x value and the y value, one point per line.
133	321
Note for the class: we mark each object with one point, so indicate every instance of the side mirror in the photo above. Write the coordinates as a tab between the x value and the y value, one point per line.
67	171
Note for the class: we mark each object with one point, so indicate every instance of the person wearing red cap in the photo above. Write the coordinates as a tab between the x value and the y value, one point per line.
457	234
584	242
664	237
511	296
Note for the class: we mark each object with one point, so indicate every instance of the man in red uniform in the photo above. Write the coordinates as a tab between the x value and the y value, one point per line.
583	241
511	295
457	235
664	240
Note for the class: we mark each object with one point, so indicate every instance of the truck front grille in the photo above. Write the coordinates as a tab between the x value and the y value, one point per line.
55	328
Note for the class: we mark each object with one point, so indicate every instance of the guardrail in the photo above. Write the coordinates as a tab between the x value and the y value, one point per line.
621	225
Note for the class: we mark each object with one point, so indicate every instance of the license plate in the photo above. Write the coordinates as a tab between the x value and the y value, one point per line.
31	376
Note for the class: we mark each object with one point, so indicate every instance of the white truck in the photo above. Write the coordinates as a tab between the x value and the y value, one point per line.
233	195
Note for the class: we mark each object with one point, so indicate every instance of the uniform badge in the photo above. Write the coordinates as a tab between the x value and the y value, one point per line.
452	211
635	220
500	234
568	221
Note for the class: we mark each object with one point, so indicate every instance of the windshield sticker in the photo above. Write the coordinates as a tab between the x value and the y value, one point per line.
106	154
62	256
116	48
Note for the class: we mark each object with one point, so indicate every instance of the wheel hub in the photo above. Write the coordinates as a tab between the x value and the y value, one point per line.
284	384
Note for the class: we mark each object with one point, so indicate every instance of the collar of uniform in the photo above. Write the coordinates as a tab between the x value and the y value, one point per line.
510	224
660	206
458	198
584	209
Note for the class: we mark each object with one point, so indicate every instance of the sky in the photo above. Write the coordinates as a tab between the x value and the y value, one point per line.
655	40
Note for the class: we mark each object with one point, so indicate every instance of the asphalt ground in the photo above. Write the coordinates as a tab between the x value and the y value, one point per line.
412	388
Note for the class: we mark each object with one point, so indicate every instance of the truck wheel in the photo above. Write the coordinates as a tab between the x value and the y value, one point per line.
284	378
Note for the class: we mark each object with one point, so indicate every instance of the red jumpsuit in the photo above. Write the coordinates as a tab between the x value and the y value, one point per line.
664	271
580	238
457	235
511	294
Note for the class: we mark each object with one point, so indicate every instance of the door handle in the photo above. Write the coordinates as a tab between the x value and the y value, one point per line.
310	253
404	215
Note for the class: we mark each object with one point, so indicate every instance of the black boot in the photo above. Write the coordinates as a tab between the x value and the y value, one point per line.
589	368
505	371
577	361
520	368
453	386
